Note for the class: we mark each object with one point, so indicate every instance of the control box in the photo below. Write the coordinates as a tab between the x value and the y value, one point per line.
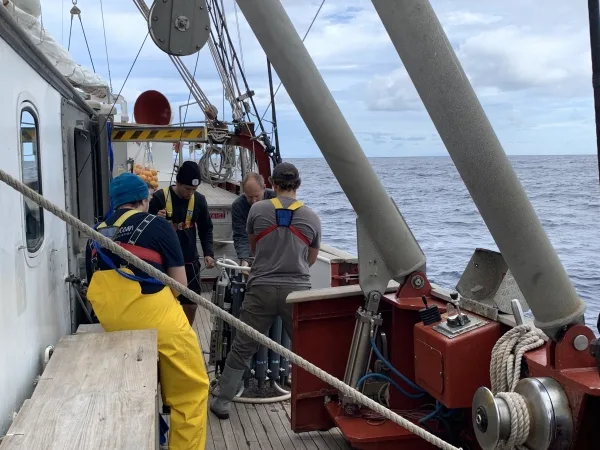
452	357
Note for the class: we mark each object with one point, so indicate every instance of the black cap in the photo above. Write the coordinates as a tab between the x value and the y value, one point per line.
189	174
286	172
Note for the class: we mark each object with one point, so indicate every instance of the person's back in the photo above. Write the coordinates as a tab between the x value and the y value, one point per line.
126	298
284	235
272	266
156	245
253	187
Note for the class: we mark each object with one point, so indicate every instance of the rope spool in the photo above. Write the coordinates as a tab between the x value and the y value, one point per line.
520	414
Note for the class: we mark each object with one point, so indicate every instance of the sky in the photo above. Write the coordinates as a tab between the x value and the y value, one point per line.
529	62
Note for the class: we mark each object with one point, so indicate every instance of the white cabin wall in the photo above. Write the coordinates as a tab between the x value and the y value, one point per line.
34	301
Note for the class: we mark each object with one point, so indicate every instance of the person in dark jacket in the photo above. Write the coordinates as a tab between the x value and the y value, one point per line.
253	187
187	211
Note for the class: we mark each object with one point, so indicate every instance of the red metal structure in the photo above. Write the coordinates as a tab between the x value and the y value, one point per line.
450	370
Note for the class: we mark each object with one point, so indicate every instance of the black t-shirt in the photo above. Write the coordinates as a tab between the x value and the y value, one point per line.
158	236
200	218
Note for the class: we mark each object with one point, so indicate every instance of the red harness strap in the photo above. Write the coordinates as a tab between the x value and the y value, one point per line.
143	253
292	228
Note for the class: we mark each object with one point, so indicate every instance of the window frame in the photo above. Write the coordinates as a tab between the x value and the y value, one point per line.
29	107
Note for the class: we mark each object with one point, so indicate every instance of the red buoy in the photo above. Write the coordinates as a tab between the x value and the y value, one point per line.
152	108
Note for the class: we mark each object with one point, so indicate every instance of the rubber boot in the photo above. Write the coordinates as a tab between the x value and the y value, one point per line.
228	387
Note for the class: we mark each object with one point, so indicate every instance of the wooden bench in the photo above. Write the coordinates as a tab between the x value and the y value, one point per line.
98	391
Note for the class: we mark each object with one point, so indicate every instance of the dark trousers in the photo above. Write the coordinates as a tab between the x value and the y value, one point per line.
262	304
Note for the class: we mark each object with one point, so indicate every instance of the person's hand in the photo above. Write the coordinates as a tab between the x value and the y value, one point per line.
162	213
209	262
244	263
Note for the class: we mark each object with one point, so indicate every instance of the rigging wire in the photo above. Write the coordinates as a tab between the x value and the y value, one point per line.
70	31
237	23
113	106
86	43
305	35
106	47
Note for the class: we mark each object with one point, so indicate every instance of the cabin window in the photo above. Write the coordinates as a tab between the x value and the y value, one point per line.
32	177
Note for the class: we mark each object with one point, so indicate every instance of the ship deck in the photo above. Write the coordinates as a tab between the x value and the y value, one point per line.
259	426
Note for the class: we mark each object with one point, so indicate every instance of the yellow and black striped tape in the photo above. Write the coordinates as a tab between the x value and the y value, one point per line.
174	134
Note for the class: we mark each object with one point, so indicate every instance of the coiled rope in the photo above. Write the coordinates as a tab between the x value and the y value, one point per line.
214	309
505	372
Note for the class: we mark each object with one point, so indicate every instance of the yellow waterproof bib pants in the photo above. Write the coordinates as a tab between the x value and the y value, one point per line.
120	305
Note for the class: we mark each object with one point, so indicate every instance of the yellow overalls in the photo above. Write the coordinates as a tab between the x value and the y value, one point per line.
120	305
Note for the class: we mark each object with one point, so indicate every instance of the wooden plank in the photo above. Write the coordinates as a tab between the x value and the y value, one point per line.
247	428
122	361
259	418
272	434
318	440
256	425
296	439
238	430
210	445
85	421
89	328
329	440
311	442
272	414
340	439
228	436
217	433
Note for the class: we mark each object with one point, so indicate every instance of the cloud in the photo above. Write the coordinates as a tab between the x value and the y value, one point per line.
528	62
514	58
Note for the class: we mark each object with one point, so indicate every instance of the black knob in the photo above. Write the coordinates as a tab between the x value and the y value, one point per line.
454	296
424	300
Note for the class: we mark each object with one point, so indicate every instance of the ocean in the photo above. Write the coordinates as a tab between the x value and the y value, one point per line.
436	205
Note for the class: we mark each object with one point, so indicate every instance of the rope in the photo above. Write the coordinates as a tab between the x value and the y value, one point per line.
214	309
505	372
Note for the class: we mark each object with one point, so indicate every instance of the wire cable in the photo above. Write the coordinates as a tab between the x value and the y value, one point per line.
106	47
389	380
305	34
113	106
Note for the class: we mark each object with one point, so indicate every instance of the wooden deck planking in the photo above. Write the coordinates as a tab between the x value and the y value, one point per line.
259	426
81	421
101	362
99	390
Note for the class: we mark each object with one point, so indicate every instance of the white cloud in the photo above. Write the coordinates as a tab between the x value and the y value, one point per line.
528	61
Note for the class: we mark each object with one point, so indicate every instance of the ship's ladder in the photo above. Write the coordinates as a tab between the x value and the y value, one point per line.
107	243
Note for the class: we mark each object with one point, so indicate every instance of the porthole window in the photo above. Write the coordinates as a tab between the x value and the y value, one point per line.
32	177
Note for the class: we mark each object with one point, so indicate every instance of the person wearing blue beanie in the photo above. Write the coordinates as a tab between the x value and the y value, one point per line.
128	188
126	298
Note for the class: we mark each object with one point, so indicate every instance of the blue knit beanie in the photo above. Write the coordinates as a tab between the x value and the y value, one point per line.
127	188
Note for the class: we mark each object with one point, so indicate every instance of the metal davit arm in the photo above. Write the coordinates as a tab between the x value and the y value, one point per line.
333	135
484	167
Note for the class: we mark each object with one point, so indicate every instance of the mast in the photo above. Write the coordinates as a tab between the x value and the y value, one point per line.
305	86
594	19
484	167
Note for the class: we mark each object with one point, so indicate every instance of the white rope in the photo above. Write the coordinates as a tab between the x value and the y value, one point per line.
214	309
505	371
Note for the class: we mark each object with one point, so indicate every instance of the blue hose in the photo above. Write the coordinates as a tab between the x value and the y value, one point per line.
393	369
389	380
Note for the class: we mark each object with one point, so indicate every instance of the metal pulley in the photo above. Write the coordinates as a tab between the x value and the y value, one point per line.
179	27
551	424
